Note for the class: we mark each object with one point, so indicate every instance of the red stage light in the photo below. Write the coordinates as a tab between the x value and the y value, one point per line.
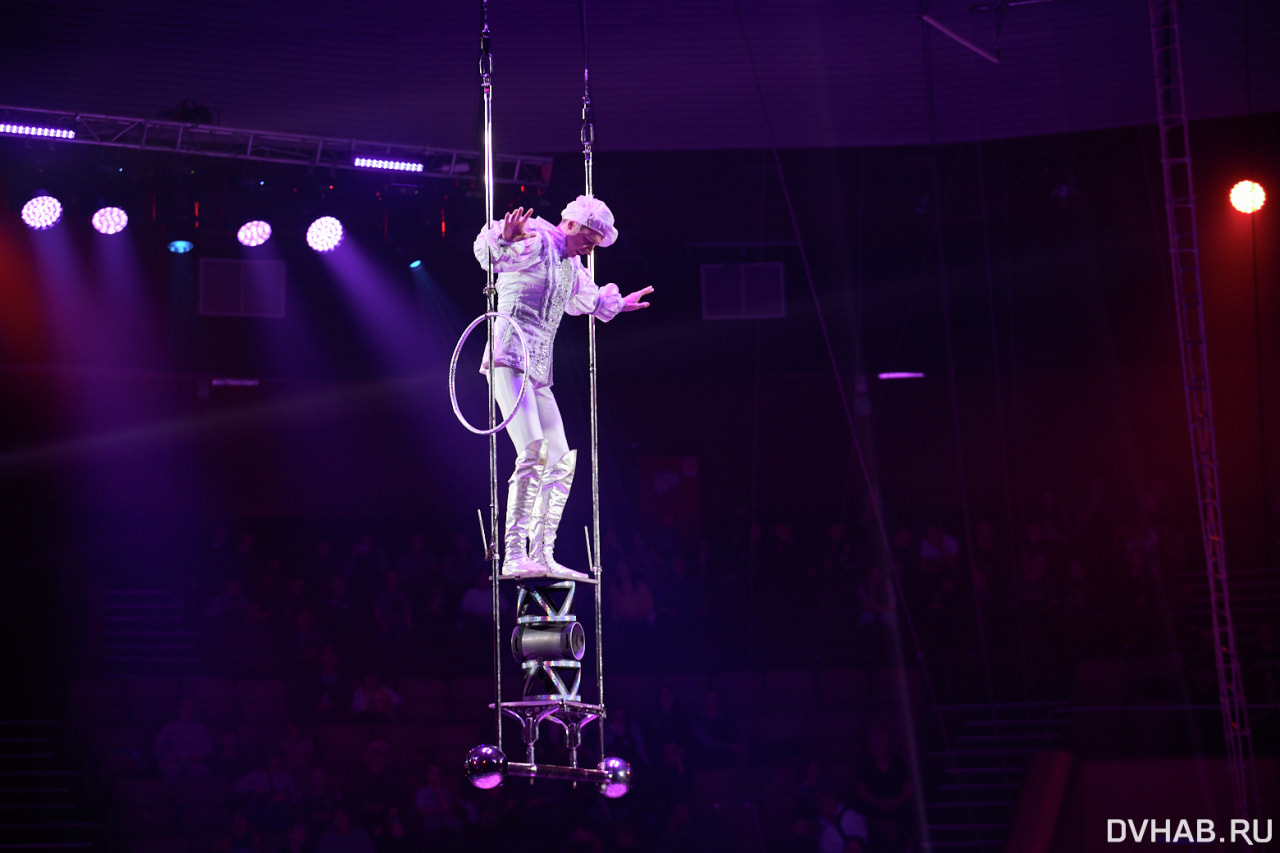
1248	197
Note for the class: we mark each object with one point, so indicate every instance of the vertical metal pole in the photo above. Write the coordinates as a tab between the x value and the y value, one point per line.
491	302
588	137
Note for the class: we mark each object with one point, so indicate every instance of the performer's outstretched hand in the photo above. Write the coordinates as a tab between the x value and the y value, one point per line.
631	302
513	225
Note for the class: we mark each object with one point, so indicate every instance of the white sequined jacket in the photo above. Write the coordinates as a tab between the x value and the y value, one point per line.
537	285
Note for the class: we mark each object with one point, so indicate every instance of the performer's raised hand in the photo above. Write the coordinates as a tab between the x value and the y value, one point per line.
631	302
513	225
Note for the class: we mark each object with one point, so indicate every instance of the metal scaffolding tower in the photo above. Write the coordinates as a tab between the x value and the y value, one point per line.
1180	216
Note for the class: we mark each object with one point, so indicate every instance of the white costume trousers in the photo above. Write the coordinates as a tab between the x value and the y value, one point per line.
537	416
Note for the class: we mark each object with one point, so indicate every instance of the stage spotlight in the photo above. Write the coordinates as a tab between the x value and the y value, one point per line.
413	265
110	220
388	165
325	234
181	247
1248	197
29	130
41	212
254	233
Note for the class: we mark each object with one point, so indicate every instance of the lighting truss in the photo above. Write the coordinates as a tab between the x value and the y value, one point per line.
269	147
28	130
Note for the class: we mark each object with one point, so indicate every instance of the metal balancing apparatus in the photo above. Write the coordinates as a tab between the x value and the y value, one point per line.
548	642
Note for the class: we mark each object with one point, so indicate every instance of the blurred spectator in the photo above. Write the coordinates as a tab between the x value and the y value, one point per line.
183	746
343	836
940	568
1052	519
436	806
885	792
987	579
645	560
437	618
322	565
461	567
1078	618
634	614
375	702
875	597
322	691
717	740
246	561
906	557
813	781
681	609
392	613
666	722
623	738
837	824
1037	588
611	549
254	647
678	833
475	607
228	607
417	566
297	597
376	786
671	780
268	795
339	613
298	840
366	566
239	837
298	749
836	556
390	836
305	640
228	761
317	801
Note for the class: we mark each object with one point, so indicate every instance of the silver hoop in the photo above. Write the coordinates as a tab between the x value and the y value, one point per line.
453	370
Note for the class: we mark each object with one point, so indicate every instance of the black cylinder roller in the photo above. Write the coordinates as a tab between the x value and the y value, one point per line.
548	641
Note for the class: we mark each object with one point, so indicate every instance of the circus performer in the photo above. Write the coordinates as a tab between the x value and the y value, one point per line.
540	278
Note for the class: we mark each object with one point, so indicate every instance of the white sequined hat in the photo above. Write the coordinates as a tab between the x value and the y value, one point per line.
594	214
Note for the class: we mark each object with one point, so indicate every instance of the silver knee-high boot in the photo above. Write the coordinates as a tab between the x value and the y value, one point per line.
522	499
557	479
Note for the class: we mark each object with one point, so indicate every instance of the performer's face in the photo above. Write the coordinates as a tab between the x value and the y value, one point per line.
580	240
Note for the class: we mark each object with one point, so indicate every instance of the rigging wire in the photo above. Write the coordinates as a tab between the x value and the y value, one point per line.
949	340
588	137
874	500
491	300
1014	506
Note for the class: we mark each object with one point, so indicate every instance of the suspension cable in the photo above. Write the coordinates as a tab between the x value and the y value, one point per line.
872	492
491	302
588	138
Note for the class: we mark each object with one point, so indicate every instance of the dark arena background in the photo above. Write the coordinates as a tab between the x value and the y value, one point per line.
916	534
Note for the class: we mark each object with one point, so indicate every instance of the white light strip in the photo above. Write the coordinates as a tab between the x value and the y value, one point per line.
28	130
392	165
